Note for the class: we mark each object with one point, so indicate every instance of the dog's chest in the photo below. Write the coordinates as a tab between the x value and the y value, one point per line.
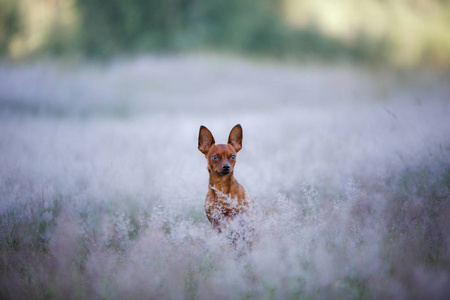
224	204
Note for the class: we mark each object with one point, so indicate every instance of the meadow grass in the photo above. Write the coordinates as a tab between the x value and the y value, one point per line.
102	186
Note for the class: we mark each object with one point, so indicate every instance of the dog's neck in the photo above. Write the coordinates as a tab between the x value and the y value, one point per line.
221	184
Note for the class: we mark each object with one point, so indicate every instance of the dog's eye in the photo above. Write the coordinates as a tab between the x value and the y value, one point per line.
214	157
233	157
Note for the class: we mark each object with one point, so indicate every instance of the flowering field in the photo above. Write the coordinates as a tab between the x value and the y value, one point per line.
102	186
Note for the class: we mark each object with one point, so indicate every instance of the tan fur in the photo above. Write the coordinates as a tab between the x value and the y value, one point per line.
226	198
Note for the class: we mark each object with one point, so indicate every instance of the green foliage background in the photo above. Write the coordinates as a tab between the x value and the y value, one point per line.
243	26
413	32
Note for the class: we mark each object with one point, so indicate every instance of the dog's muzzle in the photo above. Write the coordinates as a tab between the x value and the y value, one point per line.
226	169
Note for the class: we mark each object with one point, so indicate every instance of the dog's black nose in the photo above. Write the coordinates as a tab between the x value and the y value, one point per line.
226	167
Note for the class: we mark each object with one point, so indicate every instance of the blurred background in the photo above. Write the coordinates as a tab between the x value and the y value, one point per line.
397	33
345	110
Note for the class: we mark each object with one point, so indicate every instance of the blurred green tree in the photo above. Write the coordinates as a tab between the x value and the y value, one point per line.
115	26
244	26
398	33
9	24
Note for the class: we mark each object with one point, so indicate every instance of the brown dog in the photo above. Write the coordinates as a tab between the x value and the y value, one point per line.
226	198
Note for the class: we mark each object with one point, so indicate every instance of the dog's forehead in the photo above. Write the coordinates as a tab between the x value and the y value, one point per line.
222	149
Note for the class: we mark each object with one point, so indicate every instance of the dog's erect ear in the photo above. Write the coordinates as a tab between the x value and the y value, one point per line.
235	138
205	140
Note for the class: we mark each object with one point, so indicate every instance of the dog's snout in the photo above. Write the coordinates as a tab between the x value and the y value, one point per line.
225	166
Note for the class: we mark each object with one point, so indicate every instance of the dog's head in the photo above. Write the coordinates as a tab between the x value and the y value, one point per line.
222	157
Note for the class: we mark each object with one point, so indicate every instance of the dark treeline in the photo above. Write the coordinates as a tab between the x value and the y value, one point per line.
256	27
249	26
394	33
